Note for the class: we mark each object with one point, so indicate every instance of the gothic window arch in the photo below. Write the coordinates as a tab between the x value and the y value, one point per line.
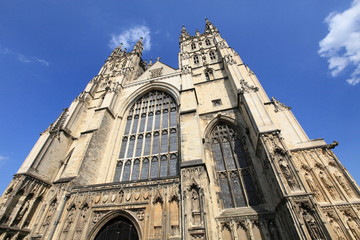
196	59
207	42
212	55
149	145
233	171
193	46
209	75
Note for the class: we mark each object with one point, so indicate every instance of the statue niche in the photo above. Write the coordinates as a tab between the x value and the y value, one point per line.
195	205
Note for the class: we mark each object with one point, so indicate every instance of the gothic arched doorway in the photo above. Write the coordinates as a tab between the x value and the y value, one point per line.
119	228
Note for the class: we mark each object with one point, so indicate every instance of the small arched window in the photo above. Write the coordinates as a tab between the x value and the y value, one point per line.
149	145
193	46
237	186
209	74
212	55
207	42
196	59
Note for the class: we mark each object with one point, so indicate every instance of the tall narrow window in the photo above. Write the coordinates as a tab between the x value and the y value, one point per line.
212	55
196	59
209	74
193	46
149	145
237	187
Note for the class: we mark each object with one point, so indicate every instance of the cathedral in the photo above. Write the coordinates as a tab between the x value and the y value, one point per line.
149	152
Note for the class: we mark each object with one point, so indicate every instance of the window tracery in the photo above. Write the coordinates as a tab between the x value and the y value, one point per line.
237	187
212	55
149	147
193	46
209	75
196	59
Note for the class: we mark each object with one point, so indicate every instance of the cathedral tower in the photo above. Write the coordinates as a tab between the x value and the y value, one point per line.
150	152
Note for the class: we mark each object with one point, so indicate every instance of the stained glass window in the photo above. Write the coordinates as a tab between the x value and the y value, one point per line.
149	146
237	187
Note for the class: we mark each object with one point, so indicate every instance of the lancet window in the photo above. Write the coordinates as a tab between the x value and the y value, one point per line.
149	146
233	172
212	55
196	59
209	74
193	46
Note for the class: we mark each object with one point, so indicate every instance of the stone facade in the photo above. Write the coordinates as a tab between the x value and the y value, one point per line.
200	152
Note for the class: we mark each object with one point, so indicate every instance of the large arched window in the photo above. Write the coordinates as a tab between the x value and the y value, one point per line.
149	145
234	175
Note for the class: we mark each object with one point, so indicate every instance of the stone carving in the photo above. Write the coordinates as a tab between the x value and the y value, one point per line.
312	226
313	187
343	183
155	73
352	223
59	123
97	217
83	216
186	69
140	214
338	233
286	172
279	106
221	44
329	185
246	88
50	212
81	97
229	59
70	218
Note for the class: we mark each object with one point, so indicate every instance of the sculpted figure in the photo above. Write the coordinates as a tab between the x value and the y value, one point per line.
51	210
336	228
354	228
287	173
195	200
313	187
343	183
329	185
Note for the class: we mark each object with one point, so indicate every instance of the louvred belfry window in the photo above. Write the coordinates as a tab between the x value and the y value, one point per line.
149	146
234	175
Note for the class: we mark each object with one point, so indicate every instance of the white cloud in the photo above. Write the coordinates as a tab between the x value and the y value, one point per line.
23	58
341	46
130	36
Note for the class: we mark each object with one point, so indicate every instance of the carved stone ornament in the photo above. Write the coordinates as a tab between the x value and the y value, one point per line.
229	59
246	88
312	226
279	106
155	73
186	69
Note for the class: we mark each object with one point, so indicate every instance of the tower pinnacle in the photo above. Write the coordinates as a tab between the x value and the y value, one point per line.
209	27
184	34
138	47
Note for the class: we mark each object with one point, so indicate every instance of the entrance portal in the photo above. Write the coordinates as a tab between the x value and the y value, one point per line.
119	228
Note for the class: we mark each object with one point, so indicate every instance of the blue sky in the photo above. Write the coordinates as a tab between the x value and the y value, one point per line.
305	53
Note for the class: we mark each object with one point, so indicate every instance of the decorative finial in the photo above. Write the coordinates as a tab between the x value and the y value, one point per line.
158	59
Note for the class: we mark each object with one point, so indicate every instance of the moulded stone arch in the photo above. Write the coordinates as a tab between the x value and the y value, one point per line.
110	216
161	86
221	118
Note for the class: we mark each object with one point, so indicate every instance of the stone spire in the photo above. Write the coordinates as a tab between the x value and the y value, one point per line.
138	48
209	27
184	34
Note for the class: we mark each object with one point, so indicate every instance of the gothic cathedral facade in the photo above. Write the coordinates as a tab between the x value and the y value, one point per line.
150	152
